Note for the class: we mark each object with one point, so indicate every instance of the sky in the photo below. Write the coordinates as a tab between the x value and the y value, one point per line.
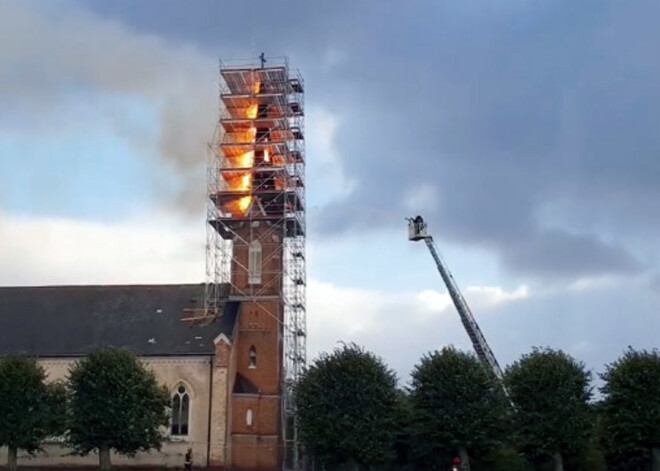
527	134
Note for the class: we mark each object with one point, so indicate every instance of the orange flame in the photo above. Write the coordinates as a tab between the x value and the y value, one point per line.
246	160
266	156
238	182
246	182
257	88
244	203
244	137
252	111
241	205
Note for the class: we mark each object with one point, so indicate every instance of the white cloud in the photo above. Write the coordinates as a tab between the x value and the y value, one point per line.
486	296
477	297
434	301
327	166
592	283
43	251
580	348
422	198
399	326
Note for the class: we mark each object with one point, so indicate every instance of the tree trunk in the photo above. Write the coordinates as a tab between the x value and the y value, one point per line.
104	458
656	459
465	459
12	458
558	461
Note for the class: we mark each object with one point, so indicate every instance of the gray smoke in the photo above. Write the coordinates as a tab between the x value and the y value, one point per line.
52	51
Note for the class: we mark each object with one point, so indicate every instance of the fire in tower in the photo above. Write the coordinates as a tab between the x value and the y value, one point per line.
256	249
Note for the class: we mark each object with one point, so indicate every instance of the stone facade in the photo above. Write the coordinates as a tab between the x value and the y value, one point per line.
206	401
230	368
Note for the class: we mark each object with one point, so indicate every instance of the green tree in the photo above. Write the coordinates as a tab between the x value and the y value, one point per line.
505	458
458	408
57	402
402	439
631	411
30	409
116	404
347	408
551	393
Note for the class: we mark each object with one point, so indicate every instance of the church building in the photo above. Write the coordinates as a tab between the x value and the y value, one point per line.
230	350
225	398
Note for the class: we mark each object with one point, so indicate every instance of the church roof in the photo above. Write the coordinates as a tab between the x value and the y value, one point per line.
75	320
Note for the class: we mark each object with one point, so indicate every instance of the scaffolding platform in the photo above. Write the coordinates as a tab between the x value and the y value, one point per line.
256	197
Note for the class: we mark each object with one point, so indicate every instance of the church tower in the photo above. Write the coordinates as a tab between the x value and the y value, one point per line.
256	253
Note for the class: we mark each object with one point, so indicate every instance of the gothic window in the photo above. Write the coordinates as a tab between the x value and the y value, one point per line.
252	358
180	412
254	263
248	418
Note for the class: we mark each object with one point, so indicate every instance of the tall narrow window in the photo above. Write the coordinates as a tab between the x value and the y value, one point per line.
248	418
252	358
254	263
180	412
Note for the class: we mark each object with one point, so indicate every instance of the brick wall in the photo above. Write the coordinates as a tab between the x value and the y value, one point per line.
265	414
257	446
259	329
269	236
255	452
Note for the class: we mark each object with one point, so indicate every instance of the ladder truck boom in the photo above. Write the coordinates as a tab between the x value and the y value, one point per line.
417	231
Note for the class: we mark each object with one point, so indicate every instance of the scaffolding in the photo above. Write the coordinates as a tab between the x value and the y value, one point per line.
256	196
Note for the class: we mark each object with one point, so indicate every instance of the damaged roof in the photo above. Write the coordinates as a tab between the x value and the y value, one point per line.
76	320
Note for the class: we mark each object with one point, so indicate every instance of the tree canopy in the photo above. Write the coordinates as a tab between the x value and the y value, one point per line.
116	404
551	393
631	411
347	408
458	408
30	409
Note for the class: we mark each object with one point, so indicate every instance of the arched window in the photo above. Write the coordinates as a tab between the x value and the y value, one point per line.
254	263
248	418
180	411
252	358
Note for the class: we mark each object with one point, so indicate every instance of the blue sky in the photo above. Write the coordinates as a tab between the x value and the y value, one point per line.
525	133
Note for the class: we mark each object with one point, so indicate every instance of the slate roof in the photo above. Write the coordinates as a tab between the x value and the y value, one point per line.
75	320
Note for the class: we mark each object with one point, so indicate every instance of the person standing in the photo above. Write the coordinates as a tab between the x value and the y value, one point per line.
188	460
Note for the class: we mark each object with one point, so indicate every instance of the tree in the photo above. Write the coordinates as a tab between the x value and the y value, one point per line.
346	406
30	409
631	411
551	394
116	404
57	402
402	439
458	408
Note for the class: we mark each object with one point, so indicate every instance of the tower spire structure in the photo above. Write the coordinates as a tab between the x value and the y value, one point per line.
256	241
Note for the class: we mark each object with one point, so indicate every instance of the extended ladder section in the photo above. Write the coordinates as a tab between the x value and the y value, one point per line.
417	231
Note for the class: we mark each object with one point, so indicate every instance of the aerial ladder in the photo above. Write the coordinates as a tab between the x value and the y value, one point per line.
417	231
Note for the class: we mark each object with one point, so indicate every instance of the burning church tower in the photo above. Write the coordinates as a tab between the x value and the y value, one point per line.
256	252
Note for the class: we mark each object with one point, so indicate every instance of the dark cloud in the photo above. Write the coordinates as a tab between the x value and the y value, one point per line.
559	253
527	129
